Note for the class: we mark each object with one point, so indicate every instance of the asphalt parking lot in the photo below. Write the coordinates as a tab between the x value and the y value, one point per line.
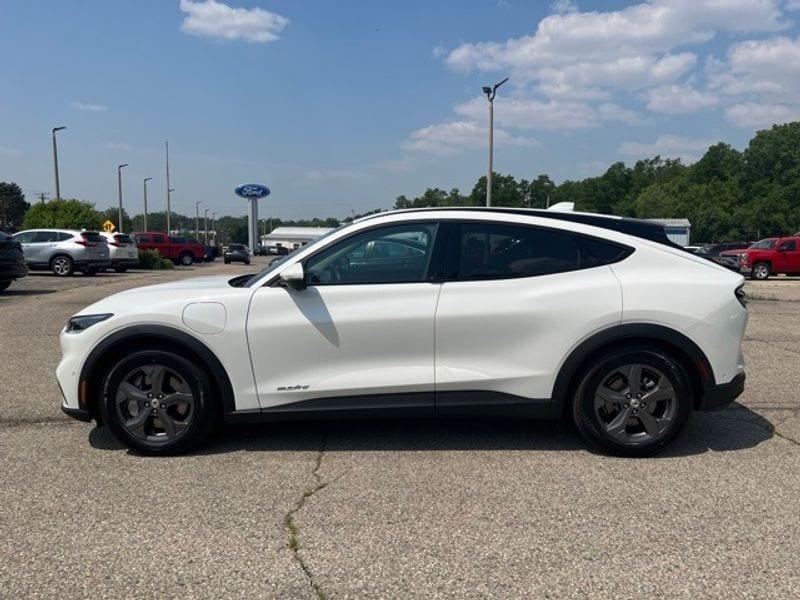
394	509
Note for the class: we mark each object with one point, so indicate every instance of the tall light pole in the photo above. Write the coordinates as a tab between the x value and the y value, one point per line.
491	92
169	190
206	225
119	183
146	179
214	225
197	219
55	161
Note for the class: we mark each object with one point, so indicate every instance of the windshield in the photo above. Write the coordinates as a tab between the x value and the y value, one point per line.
767	244
276	263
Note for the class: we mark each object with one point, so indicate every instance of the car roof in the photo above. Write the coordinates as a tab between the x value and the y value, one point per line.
636	227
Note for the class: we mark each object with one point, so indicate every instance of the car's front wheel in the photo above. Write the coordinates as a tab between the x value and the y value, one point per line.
187	259
761	271
632	401
158	402
62	266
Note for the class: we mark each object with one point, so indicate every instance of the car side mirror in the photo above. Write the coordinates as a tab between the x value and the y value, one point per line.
294	276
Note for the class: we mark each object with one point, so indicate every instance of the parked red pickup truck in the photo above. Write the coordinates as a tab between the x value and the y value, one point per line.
177	249
782	257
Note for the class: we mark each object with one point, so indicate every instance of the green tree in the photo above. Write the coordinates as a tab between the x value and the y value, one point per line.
540	192
12	207
72	214
112	214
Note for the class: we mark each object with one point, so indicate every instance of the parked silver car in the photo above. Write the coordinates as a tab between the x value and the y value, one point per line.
64	251
123	251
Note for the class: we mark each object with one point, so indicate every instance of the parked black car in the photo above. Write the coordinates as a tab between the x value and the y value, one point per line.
237	253
12	262
714	252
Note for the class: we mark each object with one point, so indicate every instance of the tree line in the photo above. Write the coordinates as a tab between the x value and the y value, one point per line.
727	195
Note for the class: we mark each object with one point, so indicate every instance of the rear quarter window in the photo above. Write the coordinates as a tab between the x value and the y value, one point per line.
93	237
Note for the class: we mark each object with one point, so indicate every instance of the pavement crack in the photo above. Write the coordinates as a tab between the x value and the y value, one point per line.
290	524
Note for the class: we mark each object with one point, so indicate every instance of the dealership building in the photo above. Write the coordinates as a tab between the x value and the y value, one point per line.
292	237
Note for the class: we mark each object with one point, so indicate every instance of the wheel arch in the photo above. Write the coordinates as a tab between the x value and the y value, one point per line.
157	337
680	347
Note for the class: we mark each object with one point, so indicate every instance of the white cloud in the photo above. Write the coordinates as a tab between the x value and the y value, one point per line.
549	114
443	139
668	146
755	114
578	51
562	7
770	66
679	99
214	19
89	107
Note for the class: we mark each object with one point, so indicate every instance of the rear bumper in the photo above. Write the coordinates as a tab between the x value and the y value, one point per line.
124	262
12	270
720	396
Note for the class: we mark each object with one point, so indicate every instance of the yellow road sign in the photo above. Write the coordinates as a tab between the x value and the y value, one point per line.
108	227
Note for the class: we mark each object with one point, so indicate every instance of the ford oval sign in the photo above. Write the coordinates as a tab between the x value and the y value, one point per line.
252	190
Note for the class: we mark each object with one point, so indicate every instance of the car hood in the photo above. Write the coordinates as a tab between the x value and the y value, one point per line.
193	283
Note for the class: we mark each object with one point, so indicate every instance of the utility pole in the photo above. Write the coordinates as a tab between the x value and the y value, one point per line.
119	183
214	226
144	222
491	92
55	161
206	225
197	220
42	197
169	190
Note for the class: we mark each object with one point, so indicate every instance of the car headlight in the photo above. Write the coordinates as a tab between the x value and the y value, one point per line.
81	322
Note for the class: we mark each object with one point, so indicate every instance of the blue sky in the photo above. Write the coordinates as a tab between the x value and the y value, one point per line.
341	105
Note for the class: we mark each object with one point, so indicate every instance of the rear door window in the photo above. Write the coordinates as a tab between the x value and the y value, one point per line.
500	251
46	236
158	239
93	237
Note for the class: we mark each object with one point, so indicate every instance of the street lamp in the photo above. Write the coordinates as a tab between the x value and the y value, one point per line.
491	92
146	179
169	191
55	161
214	225
119	183
197	219
206	225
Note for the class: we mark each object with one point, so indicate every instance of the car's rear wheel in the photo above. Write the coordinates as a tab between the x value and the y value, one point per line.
186	259
62	266
632	401
159	402
761	271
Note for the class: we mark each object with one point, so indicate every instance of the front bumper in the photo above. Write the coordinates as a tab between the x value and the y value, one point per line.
720	396
77	413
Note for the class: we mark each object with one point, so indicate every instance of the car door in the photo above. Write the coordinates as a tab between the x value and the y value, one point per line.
359	336
787	257
515	300
25	239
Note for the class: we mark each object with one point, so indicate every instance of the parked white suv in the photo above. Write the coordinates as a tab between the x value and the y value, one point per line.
64	251
123	251
428	313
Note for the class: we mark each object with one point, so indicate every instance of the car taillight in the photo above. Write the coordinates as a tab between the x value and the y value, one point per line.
741	296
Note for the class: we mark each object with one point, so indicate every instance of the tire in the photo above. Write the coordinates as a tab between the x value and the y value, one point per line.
120	269
247	262
761	271
227	262
91	272
610	416
62	266
180	420
186	259
4	285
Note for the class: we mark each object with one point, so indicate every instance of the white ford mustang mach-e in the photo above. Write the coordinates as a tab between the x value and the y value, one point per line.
424	313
